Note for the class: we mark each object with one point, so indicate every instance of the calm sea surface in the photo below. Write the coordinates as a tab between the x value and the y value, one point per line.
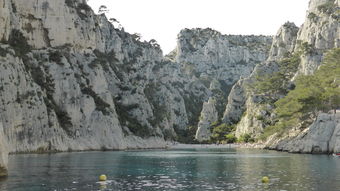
181	169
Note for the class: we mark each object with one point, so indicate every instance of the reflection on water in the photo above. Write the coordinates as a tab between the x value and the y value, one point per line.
187	169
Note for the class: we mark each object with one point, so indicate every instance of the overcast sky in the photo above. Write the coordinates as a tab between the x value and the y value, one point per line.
163	19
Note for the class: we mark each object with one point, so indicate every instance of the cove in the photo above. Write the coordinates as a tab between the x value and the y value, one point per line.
173	169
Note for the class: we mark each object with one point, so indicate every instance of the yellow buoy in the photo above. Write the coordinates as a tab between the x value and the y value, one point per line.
102	177
265	179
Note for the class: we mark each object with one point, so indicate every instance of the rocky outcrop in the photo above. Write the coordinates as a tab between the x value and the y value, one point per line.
218	61
307	45
284	41
209	54
236	101
320	137
208	116
320	32
246	107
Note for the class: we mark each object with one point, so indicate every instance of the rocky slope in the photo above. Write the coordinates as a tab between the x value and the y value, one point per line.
218	61
320	32
71	81
320	137
294	52
246	106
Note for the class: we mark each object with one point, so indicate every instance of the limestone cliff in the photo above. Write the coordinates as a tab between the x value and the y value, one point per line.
294	52
208	116
320	32
246	106
218	61
70	81
320	137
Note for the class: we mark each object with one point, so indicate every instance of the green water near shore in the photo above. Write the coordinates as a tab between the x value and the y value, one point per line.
177	169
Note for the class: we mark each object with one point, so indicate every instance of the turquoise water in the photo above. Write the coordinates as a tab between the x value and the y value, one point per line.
186	169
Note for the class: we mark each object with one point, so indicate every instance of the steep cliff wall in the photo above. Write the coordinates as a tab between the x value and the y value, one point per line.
322	136
218	61
320	32
294	52
246	106
71	81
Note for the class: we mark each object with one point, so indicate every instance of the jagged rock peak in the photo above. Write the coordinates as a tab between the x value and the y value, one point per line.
212	54
209	115
198	38
320	32
314	4
284	41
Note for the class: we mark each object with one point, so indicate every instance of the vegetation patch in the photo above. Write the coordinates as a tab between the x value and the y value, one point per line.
25	96
307	48
131	122
70	3
158	106
278	82
14	7
45	81
313	93
4	52
246	138
186	135
107	61
101	105
328	8
313	17
193	106
28	28
222	133
19	43
83	10
56	56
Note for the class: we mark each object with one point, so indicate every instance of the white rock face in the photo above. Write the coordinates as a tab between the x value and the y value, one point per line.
82	87
320	32
236	101
209	115
52	23
223	57
320	137
284	41
69	80
218	61
245	106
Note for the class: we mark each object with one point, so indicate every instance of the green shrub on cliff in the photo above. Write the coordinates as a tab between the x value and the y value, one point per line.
313	93
19	43
320	91
277	82
230	138
246	138
222	133
327	7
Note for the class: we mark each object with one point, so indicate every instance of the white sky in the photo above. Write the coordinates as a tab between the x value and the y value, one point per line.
163	19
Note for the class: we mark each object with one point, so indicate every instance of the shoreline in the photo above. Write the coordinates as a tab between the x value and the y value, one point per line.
171	146
166	147
213	146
